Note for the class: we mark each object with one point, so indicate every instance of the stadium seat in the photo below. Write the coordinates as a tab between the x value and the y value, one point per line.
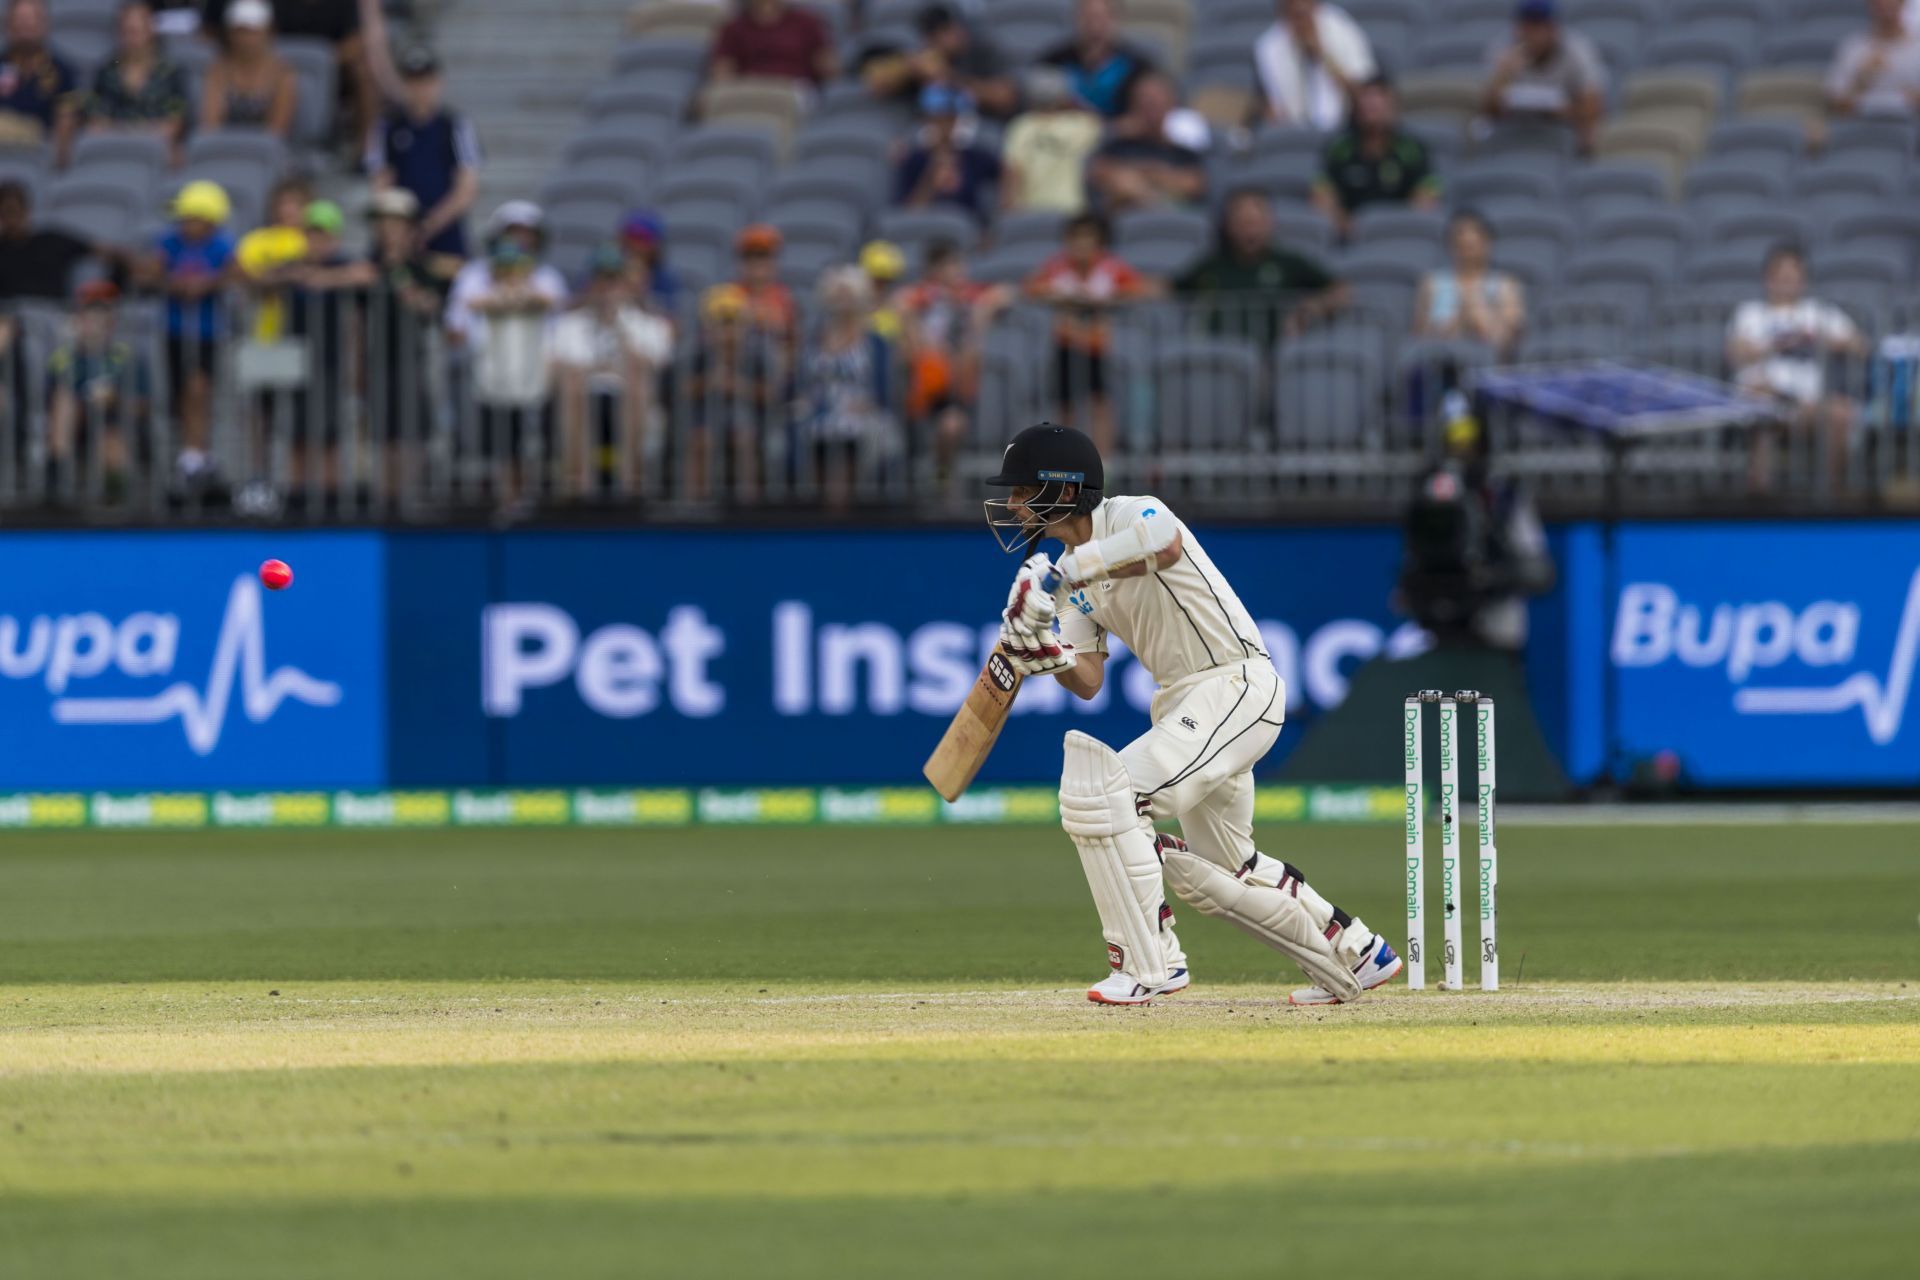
1481	182
315	65
1809	43
1642	229
667	57
1207	391
684	18
1302	228
1763	136
1441	95
914	229
1447	48
711	180
1536	263
865	137
1619	183
1328	389
1673	92
851	190
1226	106
1854	171
1713	267
602	200
1662	142
616	151
1892	141
27	166
1549	224
1755	230
1801	95
1011	263
103	212
1281	177
1546	144
770	104
1416	233
750	152
1294	142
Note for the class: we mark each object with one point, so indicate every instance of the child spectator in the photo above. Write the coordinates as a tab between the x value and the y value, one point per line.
138	90
946	319
190	264
508	319
947	165
845	388
884	264
430	151
775	39
404	291
36	84
1047	147
1085	282
643	238
267	256
99	389
607	357
1469	299
249	86
736	377
770	307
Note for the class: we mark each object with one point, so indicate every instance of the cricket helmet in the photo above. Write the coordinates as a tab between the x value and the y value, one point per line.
1052	460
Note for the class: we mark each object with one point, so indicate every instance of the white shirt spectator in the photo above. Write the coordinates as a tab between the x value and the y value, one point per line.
1799	336
1887	92
582	341
475	279
1299	89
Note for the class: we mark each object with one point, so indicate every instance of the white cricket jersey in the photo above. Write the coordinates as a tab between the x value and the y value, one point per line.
1182	620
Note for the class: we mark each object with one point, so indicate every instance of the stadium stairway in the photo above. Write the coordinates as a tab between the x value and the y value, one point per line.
522	73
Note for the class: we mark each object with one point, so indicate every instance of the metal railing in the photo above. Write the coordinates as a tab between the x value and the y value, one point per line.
358	408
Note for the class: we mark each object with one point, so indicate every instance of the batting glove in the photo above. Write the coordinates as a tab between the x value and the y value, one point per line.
1030	602
1034	653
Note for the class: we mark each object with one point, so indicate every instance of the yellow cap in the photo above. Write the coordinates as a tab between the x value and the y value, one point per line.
724	302
883	260
202	201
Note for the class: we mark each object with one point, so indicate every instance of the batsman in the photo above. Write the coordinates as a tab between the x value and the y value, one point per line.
1132	570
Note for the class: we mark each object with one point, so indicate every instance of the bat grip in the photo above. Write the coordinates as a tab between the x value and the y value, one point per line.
1050	582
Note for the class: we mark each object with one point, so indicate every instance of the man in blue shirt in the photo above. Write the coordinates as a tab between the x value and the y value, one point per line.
1101	66
946	165
430	151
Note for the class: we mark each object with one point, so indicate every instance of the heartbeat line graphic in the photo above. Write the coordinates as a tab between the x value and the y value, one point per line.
240	654
1883	705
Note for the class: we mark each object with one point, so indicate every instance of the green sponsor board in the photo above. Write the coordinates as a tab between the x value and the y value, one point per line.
641	807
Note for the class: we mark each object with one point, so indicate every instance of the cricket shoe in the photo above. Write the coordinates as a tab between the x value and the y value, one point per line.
1120	988
1380	967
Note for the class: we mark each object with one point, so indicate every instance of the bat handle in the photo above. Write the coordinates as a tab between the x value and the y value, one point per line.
1050	581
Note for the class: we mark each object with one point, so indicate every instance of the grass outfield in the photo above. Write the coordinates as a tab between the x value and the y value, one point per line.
847	1053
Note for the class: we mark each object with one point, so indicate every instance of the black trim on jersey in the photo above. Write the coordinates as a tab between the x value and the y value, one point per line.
1211	660
1244	642
1198	764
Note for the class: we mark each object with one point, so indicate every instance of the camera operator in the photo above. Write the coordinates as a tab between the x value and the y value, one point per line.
1475	548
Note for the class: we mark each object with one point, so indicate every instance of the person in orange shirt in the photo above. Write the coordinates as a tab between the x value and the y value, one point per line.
770	306
946	317
1085	282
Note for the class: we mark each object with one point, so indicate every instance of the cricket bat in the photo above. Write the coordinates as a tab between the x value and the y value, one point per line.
976	726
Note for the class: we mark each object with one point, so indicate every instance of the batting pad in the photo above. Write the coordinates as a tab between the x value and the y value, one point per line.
1272	915
1117	853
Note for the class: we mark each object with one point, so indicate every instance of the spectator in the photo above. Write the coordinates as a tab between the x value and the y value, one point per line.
1140	166
946	319
643	238
1251	288
268	255
318	312
190	265
138	90
99	391
1084	283
522	224
508	318
430	151
1374	162
1779	347
1100	66
1047	147
1308	64
954	55
607	358
845	387
770	308
249	86
405	291
947	165
1877	72
775	39
36	84
732	386
35	262
1470	300
884	264
1547	74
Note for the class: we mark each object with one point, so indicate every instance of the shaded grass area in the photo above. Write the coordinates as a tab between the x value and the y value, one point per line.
911	907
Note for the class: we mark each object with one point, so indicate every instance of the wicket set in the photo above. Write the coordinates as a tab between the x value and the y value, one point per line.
1413	731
